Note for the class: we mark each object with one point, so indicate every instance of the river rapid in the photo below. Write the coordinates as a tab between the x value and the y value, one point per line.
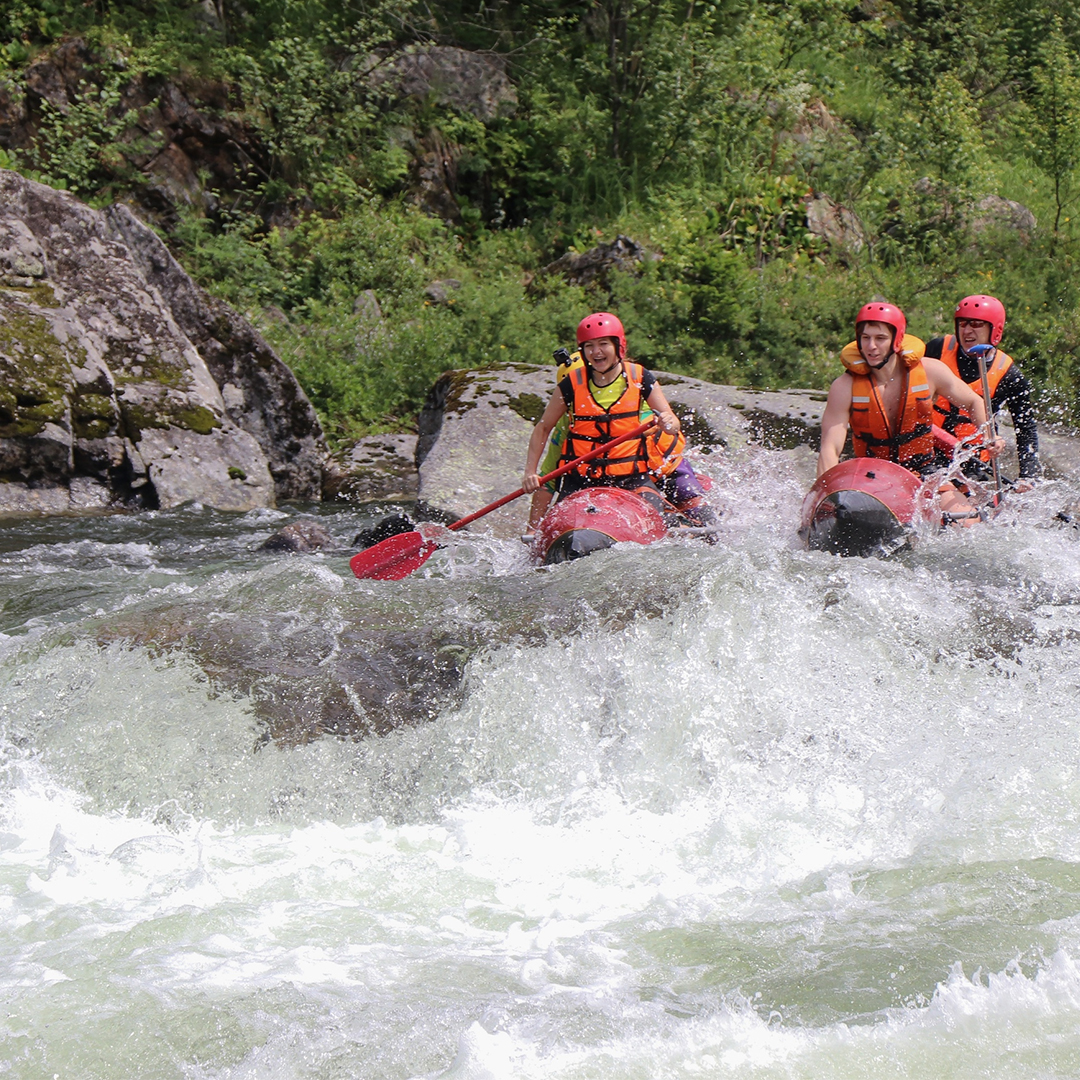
680	811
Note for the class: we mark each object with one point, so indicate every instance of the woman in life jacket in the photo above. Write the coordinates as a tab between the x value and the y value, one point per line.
886	395
669	469
980	320
605	397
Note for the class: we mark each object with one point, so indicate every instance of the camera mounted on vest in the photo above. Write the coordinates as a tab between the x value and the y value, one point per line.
561	356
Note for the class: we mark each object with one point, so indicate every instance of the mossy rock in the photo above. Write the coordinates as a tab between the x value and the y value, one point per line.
457	382
49	412
22	428
40	294
529	407
129	365
93	416
93	407
36	366
92	428
35	369
138	417
198	418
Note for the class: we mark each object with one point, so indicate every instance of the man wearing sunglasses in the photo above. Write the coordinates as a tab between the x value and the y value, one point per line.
980	320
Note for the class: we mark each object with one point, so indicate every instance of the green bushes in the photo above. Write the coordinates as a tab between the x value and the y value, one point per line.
698	129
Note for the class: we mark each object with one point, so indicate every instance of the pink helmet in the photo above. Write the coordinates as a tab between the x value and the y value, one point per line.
889	314
986	309
599	325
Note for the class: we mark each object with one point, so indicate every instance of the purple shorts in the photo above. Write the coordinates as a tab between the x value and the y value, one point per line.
683	485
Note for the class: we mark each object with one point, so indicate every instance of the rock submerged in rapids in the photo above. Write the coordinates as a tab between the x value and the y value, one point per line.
299	537
123	384
364	660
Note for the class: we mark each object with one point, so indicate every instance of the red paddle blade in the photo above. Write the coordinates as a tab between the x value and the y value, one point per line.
394	558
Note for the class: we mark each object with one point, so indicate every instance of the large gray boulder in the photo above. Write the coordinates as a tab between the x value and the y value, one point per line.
475	429
124	384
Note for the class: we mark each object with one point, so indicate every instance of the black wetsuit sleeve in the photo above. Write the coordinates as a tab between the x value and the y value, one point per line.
566	388
1015	391
934	347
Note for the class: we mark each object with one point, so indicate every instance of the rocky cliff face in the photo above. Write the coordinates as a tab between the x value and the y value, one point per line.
180	140
123	384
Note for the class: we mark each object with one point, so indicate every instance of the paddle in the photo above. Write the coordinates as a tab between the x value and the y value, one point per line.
944	440
979	352
399	556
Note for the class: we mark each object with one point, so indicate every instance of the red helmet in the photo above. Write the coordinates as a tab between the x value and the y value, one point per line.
986	309
599	325
889	314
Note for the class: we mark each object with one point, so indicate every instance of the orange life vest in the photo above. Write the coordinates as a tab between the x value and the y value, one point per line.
591	425
912	444
951	417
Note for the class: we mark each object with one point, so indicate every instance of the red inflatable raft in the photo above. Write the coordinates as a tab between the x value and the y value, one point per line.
593	519
863	506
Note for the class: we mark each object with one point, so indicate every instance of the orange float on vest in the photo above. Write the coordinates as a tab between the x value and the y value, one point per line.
912	445
665	451
951	417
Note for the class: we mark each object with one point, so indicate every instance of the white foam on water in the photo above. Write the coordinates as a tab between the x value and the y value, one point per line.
749	835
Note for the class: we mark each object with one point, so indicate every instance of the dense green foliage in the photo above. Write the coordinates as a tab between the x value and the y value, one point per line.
697	128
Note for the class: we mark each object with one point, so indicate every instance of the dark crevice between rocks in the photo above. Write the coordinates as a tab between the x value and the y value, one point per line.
132	489
429	423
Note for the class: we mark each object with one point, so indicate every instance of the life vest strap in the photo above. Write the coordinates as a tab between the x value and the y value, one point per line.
897	440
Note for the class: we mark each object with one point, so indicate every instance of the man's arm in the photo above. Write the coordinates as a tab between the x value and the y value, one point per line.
1015	391
942	381
834	424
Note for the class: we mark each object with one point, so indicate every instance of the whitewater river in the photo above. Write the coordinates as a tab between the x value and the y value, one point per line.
684	811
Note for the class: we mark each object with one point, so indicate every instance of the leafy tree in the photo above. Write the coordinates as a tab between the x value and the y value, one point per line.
1054	120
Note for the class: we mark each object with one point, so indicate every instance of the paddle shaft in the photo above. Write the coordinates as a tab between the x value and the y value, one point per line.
594	453
991	427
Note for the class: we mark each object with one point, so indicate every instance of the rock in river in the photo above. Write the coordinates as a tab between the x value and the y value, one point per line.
123	383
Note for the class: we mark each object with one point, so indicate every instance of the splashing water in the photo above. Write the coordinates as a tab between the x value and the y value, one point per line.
684	811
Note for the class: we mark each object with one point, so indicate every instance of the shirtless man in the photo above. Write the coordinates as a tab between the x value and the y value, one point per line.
887	396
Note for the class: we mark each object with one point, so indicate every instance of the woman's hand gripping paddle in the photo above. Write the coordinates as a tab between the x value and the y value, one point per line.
399	556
